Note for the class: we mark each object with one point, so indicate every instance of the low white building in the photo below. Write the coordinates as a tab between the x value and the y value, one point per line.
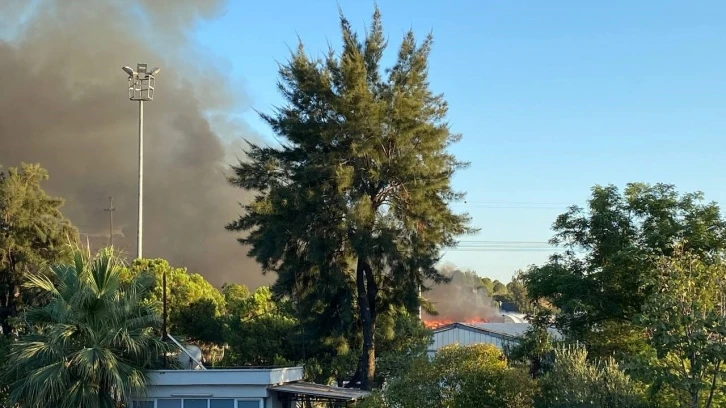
465	334
240	388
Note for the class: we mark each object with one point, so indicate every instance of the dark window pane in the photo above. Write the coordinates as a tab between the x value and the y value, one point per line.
248	404
221	403
168	403
195	403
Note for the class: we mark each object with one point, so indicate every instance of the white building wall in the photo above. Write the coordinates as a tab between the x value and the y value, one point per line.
197	401
234	388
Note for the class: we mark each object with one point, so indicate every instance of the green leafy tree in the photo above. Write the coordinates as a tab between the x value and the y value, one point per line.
510	388
236	297
498	288
195	308
402	341
575	382
488	284
248	305
183	288
259	331
517	294
262	341
454	364
474	376
33	233
599	283
536	347
685	319
199	322
352	208
91	343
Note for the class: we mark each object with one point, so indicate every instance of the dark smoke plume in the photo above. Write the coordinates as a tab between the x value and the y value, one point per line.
463	299
64	104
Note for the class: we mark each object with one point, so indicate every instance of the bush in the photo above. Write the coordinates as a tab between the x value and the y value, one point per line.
574	382
474	376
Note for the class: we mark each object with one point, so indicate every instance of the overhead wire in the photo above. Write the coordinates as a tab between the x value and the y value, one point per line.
503	245
477	245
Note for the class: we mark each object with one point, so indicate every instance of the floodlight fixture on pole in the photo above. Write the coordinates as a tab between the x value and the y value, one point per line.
141	89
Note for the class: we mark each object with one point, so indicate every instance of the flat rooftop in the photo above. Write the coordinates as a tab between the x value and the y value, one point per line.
228	376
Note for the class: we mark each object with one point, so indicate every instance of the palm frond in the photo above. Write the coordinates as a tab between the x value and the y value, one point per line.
94	336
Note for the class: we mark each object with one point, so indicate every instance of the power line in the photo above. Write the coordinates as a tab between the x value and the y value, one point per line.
477	241
505	246
503	249
560	206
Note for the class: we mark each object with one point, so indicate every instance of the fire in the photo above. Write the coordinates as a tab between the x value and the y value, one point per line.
435	324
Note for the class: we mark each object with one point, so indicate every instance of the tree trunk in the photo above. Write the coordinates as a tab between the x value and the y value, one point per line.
8	303
356	376
4	319
694	391
716	372
365	283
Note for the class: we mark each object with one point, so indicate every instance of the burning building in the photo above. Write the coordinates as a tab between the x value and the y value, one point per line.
467	314
464	334
464	299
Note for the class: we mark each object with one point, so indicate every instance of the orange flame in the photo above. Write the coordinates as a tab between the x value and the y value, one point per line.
435	324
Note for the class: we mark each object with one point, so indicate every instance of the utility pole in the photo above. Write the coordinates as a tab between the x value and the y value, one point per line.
420	306
110	211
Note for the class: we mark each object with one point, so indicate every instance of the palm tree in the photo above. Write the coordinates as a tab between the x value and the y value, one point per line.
92	342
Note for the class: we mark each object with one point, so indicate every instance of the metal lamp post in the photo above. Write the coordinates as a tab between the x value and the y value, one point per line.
141	89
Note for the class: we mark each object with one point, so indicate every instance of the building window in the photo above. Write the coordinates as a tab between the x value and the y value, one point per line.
168	403
249	404
196	403
221	403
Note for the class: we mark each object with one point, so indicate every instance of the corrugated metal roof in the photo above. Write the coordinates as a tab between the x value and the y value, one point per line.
318	390
511	330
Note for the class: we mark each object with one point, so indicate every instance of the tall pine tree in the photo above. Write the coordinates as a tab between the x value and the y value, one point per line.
33	233
352	209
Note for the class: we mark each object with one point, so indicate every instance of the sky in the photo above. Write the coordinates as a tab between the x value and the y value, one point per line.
552	97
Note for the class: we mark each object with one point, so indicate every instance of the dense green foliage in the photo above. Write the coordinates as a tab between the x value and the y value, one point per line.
351	213
352	208
601	282
685	322
33	233
641	279
574	382
183	287
669	352
535	348
258	330
92	341
475	376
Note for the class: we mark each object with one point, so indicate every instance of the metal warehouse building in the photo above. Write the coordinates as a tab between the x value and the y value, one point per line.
466	334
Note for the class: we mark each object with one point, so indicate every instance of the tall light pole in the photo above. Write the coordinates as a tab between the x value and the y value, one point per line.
141	89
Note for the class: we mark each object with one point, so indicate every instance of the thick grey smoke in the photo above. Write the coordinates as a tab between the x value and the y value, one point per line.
64	104
463	299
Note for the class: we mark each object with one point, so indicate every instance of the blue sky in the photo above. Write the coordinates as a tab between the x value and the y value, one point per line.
551	97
